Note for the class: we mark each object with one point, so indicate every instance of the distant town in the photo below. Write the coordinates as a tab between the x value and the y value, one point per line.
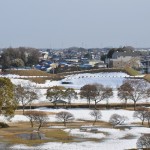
75	59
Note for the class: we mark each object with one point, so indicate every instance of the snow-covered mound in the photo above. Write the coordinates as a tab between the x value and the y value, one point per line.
76	81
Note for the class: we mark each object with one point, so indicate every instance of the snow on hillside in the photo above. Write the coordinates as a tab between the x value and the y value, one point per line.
76	81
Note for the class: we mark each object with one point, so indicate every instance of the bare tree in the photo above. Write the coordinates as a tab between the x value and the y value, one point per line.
24	95
134	90
141	114
102	93
69	94
96	114
40	118
143	142
89	92
123	93
64	117
30	116
116	119
148	118
55	93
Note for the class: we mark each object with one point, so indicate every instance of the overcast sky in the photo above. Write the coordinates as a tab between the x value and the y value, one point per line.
66	23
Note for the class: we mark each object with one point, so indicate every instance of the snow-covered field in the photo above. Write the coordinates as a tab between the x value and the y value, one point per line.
113	80
76	81
109	138
115	139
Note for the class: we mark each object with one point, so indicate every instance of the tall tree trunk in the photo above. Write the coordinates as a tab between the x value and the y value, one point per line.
31	123
142	121
95	105
64	123
149	123
134	105
89	103
125	103
39	126
23	108
94	122
107	104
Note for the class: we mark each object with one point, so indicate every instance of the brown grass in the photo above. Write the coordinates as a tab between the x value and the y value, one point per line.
147	77
131	71
10	135
128	136
32	72
20	112
38	73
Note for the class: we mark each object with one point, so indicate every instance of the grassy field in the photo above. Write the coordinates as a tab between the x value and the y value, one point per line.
12	134
41	76
131	71
147	77
32	72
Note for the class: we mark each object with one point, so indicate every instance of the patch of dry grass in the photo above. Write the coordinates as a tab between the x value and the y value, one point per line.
41	75
147	77
128	136
20	112
131	71
32	72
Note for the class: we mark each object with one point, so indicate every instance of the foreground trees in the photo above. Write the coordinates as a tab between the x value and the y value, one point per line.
55	93
64	117
25	95
70	94
96	93
38	117
102	93
58	93
134	90
143	142
89	92
116	119
123	92
96	114
141	114
7	101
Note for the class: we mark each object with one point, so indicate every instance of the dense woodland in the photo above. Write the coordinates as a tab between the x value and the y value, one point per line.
19	57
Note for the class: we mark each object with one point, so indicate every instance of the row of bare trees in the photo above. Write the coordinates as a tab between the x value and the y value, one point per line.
36	117
40	118
134	90
96	93
56	93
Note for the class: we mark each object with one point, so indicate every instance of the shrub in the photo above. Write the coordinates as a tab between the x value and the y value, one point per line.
4	125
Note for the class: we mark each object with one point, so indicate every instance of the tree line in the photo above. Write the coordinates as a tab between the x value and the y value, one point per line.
25	94
19	57
135	90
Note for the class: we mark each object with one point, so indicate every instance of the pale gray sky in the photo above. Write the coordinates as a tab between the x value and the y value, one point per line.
65	23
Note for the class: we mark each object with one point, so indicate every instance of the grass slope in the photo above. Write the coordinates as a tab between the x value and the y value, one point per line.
147	77
131	71
41	75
